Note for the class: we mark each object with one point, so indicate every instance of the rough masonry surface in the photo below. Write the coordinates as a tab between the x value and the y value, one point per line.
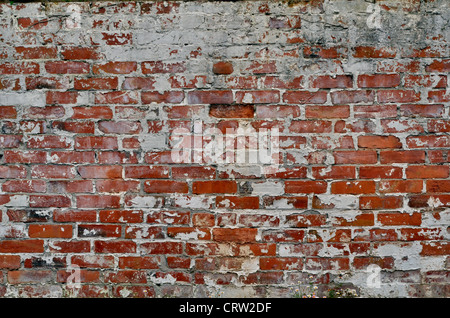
123	174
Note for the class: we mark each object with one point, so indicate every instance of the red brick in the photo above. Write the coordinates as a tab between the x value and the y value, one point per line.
141	262
96	142
398	126
422	110
72	157
165	186
434	186
440	96
210	97
352	97
144	232
306	220
99	230
67	67
62	216
184	233
8	112
379	142
117	97
203	187
93	261
425	201
288	202
318	264
50	231
143	83
276	111
338	81
193	172
117	38
310	126
114	68
398	96
232	111
334	172
75	127
355	157
80	53
154	67
412	81
100	172
420	234
12	172
53	172
438	126
10	141
237	202
49	142
262	67
441	66
95	112
162	247
401	186
429	141
280	263
435	248
121	216
257	97
327	111
364	219
353	187
375	111
98	201
359	125
111	247
397	218
324	52
26	186
427	172
305	97
223	68
22	246
17	68
31	23
46	82
33	53
402	156
361	235
305	186
239	235
30	276
85	276
9	261
96	83
373	52
117	186
146	172
178	262
378	80
49	201
382	262
120	127
380	172
168	97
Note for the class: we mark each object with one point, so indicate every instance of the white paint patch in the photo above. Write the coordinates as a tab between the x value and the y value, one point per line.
268	187
339	201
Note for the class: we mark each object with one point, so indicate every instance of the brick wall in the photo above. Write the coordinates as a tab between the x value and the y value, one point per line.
133	138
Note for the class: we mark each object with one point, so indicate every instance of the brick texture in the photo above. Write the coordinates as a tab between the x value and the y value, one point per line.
108	114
